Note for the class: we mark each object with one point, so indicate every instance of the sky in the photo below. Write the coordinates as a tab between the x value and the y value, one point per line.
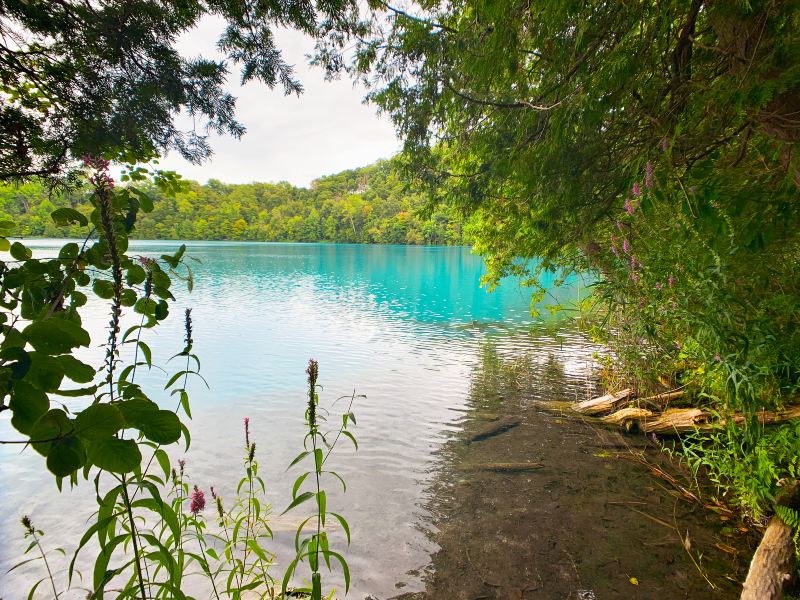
289	138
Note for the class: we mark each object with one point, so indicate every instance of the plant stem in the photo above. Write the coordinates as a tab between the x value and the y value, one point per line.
205	559
136	556
46	564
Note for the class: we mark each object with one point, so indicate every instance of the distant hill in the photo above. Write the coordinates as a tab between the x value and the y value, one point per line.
367	205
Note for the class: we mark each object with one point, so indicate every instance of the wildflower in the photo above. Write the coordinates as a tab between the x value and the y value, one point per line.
26	523
659	286
213	493
614	245
198	501
628	206
182	464
220	511
619	226
635	277
648	176
313	373
671	280
188	327
626	246
717	358
636	190
247	432
251	452
664	144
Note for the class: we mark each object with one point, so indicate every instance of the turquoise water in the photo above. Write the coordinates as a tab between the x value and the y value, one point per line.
402	325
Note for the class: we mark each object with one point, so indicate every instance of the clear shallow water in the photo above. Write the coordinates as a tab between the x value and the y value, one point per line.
405	326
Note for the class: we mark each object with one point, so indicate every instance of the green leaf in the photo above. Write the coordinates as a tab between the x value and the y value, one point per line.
135	275
298	458
55	335
319	458
322	503
103	288
163	461
45	372
69	251
298	501
162	427
137	411
66	216
66	456
99	421
27	405
115	455
343	523
297	483
20	252
52	425
76	370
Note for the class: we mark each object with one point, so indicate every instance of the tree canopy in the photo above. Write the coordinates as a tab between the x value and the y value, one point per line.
81	77
652	143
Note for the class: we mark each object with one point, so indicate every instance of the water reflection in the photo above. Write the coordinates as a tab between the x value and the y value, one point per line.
530	503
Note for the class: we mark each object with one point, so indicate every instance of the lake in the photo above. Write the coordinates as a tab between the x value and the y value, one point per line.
407	327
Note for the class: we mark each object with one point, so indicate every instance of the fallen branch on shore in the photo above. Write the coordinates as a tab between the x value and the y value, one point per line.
684	420
773	566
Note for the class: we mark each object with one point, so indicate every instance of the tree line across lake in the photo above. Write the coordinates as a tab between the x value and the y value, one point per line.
371	204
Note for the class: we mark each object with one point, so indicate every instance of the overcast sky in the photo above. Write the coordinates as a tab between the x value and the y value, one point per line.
296	139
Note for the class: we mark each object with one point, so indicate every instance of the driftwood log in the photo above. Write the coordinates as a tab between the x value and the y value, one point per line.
684	420
501	467
604	404
773	566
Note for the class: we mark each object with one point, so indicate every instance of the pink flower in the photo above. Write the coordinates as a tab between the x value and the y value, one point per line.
619	226
635	277
671	280
198	501
664	144
628	206
636	189
648	176
626	246
659	286
614	245
182	464
717	358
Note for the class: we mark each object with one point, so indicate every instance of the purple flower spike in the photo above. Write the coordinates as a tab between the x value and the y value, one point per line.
636	189
648	176
198	501
626	246
628	206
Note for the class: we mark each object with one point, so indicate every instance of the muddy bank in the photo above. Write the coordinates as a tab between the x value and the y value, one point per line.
584	521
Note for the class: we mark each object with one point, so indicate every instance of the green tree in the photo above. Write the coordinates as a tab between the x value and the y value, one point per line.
88	77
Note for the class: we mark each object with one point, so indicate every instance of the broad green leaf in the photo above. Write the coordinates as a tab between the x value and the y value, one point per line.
55	335
162	427
98	421
115	455
27	405
66	216
76	370
66	456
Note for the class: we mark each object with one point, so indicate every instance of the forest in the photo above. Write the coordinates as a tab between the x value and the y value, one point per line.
373	205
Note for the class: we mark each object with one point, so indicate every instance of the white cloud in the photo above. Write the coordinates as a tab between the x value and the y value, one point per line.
297	139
